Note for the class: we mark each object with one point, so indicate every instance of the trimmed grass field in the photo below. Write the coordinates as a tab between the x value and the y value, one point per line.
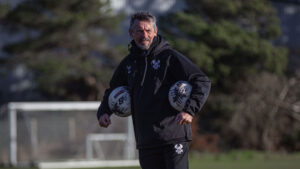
244	160
241	160
238	160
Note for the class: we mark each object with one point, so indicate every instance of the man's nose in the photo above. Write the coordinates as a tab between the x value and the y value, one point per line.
144	33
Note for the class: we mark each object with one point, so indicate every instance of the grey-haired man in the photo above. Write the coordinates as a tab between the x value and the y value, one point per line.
152	66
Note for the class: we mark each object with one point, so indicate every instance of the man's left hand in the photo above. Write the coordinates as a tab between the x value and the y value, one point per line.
184	118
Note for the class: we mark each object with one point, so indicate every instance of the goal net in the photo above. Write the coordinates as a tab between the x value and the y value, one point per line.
64	135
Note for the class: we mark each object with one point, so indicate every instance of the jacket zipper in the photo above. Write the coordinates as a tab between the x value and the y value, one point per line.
146	62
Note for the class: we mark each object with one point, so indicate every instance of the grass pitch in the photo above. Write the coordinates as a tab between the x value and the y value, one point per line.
244	160
237	160
241	160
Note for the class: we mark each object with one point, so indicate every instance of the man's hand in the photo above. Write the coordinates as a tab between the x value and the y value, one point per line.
184	118
104	120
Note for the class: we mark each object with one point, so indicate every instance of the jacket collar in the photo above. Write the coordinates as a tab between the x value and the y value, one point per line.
157	45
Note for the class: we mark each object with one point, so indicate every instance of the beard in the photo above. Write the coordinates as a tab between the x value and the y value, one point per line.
144	47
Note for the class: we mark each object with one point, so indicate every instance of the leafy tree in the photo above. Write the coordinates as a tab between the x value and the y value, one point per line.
230	41
4	8
65	45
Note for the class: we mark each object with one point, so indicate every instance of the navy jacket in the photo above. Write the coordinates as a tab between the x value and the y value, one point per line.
149	75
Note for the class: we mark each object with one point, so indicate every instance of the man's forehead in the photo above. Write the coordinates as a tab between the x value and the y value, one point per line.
142	23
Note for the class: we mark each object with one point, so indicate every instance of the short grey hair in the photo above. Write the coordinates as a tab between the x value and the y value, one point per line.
142	16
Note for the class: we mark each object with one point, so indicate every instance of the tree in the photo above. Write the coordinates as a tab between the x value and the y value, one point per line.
64	45
230	41
232	38
269	116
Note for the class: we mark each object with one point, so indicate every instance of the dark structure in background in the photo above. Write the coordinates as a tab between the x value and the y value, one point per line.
289	14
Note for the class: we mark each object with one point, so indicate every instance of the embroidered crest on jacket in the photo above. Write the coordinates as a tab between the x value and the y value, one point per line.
178	148
155	64
128	69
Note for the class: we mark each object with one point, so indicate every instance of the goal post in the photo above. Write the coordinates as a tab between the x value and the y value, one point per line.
67	134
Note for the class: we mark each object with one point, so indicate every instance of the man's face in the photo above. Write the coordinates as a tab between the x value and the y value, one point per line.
143	33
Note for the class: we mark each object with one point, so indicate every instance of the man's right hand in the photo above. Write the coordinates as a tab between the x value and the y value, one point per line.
104	120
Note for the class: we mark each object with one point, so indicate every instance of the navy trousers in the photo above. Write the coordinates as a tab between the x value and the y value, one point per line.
171	156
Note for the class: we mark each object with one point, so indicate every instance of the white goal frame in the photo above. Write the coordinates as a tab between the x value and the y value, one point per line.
14	107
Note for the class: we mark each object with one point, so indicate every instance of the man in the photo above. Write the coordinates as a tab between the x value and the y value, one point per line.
151	68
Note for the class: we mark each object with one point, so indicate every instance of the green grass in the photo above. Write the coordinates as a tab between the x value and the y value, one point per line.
244	160
238	160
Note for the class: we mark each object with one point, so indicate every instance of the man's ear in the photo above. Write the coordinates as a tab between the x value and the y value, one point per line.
130	33
155	31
